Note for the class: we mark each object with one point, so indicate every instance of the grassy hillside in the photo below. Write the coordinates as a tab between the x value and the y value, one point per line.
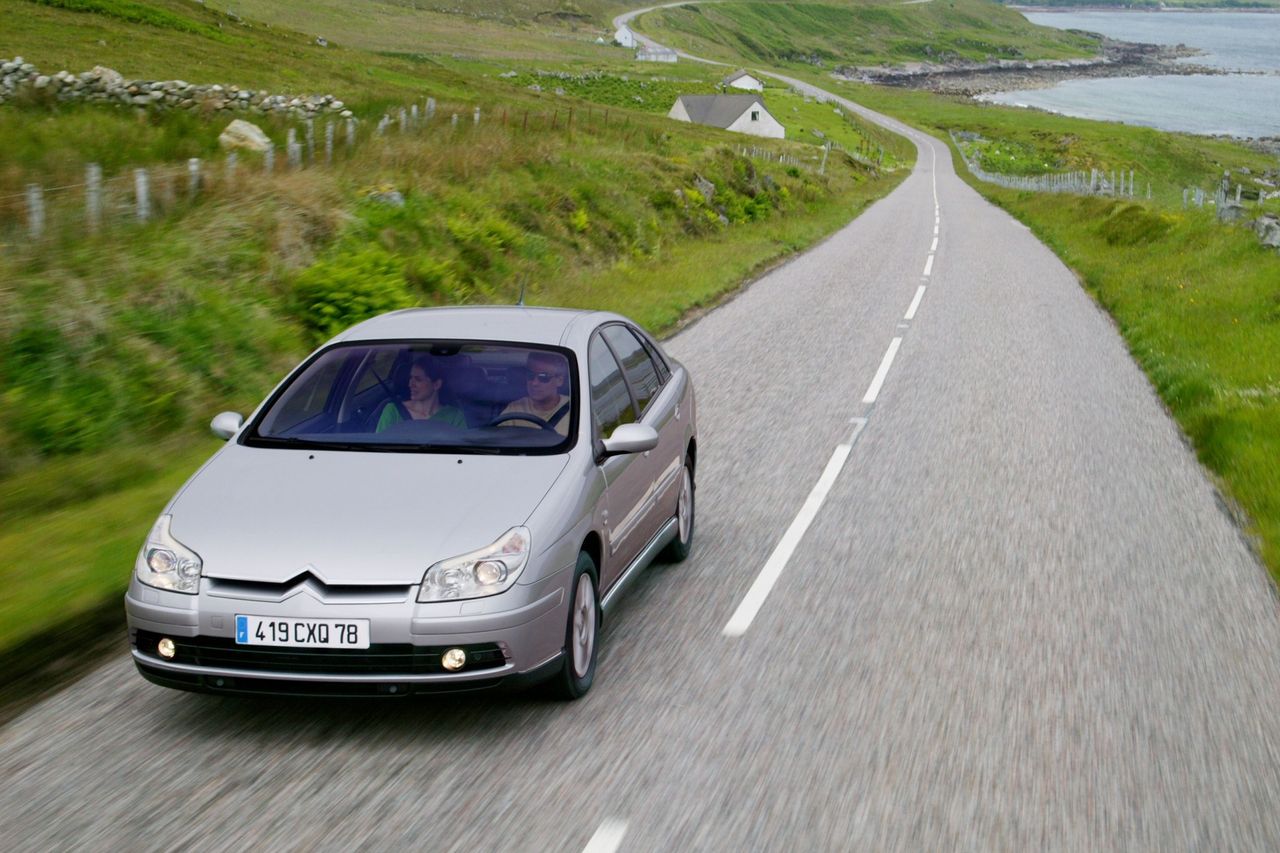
831	34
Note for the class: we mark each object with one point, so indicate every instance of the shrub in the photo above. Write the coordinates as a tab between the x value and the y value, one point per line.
335	293
1134	225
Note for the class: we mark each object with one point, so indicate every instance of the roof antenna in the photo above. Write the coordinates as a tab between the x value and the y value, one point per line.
524	280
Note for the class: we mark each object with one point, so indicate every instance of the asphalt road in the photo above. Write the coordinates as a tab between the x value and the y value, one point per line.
1019	618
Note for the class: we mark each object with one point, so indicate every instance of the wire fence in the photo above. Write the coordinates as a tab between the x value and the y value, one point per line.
1080	182
136	196
99	203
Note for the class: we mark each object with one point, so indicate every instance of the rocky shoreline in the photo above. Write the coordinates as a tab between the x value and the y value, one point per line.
971	79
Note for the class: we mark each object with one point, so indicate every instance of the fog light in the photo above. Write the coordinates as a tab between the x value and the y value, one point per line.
454	659
166	649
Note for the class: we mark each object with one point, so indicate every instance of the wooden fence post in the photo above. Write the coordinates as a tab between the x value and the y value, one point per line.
35	211
328	142
193	177
351	133
232	162
475	118
269	159
453	122
311	140
431	108
142	194
93	197
413	116
404	120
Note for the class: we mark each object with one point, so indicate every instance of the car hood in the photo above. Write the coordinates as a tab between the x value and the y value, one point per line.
269	515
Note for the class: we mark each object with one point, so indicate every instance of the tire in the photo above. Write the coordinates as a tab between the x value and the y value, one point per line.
581	634
678	549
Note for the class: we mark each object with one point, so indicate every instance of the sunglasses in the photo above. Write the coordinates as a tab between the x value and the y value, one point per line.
544	377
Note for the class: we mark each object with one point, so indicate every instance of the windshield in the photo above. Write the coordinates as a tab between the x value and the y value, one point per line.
426	396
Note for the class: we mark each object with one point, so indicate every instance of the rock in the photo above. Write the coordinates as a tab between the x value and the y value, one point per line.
391	198
244	134
705	187
1268	230
559	91
534	87
42	82
507	75
322	41
1230	212
107	76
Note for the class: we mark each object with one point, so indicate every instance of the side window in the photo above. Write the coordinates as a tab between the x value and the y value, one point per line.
635	359
610	399
664	371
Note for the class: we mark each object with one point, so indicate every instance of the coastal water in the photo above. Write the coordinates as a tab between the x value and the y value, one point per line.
1246	104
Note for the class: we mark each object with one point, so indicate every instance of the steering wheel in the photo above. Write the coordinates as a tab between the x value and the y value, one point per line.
521	416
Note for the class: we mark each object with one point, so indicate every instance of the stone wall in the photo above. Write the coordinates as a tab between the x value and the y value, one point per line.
105	86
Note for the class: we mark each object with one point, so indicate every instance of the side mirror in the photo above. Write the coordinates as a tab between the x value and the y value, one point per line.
631	438
226	424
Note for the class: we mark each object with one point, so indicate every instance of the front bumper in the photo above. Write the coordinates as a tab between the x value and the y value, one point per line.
511	639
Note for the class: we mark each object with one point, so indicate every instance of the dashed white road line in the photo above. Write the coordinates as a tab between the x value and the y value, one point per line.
741	619
928	266
873	390
915	303
607	837
934	247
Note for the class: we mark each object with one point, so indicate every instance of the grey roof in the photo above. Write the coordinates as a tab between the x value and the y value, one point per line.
718	110
739	73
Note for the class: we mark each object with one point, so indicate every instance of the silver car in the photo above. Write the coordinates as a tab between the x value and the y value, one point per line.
435	500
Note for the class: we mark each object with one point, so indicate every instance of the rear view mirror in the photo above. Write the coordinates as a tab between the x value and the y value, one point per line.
226	424
631	438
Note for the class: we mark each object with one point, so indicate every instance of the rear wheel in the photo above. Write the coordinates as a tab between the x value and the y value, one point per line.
680	547
581	633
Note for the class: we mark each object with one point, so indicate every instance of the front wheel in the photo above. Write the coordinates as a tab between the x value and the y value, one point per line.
581	632
680	547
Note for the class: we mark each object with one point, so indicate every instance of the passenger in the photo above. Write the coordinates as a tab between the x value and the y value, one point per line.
546	372
424	399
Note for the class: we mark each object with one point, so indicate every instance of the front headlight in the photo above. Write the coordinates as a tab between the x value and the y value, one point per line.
166	563
487	571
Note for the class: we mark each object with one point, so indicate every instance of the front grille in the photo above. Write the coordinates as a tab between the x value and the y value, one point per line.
389	659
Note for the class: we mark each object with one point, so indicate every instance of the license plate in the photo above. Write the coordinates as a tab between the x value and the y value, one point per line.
303	633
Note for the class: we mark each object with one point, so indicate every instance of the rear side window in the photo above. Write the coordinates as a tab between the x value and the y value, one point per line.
635	359
610	400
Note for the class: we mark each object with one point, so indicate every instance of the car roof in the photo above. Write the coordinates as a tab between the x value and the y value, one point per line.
492	322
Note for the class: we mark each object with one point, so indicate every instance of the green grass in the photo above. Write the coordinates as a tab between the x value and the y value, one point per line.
831	35
62	563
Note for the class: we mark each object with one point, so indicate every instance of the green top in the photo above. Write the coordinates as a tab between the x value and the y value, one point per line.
450	415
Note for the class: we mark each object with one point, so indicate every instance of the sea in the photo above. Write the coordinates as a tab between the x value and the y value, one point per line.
1245	103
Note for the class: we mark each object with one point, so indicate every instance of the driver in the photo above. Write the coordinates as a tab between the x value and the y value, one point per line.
546	372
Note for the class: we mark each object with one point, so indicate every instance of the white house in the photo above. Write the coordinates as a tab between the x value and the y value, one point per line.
649	53
743	80
739	113
625	37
